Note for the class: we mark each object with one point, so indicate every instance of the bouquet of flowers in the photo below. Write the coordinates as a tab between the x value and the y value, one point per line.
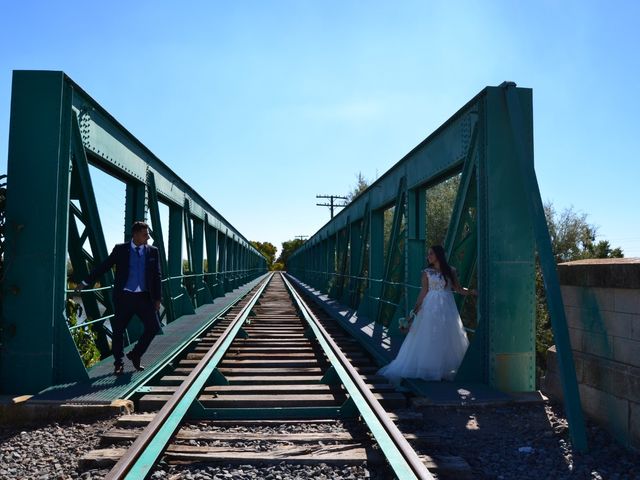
405	324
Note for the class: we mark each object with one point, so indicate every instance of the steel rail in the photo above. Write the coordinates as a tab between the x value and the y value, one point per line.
402	458
178	350
147	448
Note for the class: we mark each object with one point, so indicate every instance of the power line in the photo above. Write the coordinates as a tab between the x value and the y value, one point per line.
332	205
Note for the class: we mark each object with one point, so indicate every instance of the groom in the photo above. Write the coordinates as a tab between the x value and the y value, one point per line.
136	291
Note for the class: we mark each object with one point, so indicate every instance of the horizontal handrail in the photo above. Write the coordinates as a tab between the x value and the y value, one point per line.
370	279
189	275
84	324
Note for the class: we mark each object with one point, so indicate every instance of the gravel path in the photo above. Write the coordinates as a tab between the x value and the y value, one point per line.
515	442
524	442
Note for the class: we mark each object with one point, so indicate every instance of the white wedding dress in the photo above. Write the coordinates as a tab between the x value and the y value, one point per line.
436	343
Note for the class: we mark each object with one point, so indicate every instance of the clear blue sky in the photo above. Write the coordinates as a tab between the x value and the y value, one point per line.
261	105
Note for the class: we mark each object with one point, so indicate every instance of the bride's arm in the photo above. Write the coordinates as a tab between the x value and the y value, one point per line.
423	292
457	288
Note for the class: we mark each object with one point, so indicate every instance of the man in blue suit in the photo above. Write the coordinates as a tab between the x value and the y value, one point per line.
136	291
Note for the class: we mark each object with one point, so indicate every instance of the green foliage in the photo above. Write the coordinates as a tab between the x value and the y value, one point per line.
572	238
278	266
361	185
268	250
83	337
440	200
288	248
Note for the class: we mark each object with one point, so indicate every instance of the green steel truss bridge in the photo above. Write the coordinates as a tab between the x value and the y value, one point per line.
368	257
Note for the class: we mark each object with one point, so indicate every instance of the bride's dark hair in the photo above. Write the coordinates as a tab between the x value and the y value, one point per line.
445	268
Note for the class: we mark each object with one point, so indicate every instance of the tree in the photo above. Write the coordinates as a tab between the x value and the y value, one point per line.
288	248
572	238
440	200
361	185
603	249
267	249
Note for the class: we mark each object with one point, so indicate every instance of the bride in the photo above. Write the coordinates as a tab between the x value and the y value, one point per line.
436	343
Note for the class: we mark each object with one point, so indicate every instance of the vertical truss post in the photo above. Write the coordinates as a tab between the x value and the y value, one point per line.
202	293
359	255
231	263
356	246
189	281
36	246
134	206
158	242
518	117
317	264
211	240
246	264
369	304
331	263
344	264
321	261
222	260
507	246
181	303
322	264
342	244
229	267
416	251
235	263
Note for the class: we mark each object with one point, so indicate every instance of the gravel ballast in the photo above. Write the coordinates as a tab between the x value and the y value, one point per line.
509	442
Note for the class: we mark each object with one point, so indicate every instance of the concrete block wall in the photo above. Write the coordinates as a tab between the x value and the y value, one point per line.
602	304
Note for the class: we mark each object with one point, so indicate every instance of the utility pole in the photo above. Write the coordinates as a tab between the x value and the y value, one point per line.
332	205
301	237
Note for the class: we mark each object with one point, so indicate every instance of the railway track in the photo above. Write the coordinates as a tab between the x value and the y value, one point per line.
272	381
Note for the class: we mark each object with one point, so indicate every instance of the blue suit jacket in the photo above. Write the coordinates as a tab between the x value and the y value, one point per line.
120	258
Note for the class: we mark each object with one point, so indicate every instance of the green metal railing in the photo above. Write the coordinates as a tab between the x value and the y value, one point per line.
382	281
240	274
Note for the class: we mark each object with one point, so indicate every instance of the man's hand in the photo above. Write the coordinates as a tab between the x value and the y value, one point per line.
158	305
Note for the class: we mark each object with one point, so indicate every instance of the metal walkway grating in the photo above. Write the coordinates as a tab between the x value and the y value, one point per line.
384	348
103	386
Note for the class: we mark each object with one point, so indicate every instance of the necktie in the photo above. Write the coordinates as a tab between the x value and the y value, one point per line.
138	250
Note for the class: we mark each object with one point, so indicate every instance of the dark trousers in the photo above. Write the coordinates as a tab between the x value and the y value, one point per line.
127	305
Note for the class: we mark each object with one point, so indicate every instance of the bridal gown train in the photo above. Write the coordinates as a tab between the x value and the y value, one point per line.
436	343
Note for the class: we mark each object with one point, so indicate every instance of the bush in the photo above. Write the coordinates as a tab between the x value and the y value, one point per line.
83	337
